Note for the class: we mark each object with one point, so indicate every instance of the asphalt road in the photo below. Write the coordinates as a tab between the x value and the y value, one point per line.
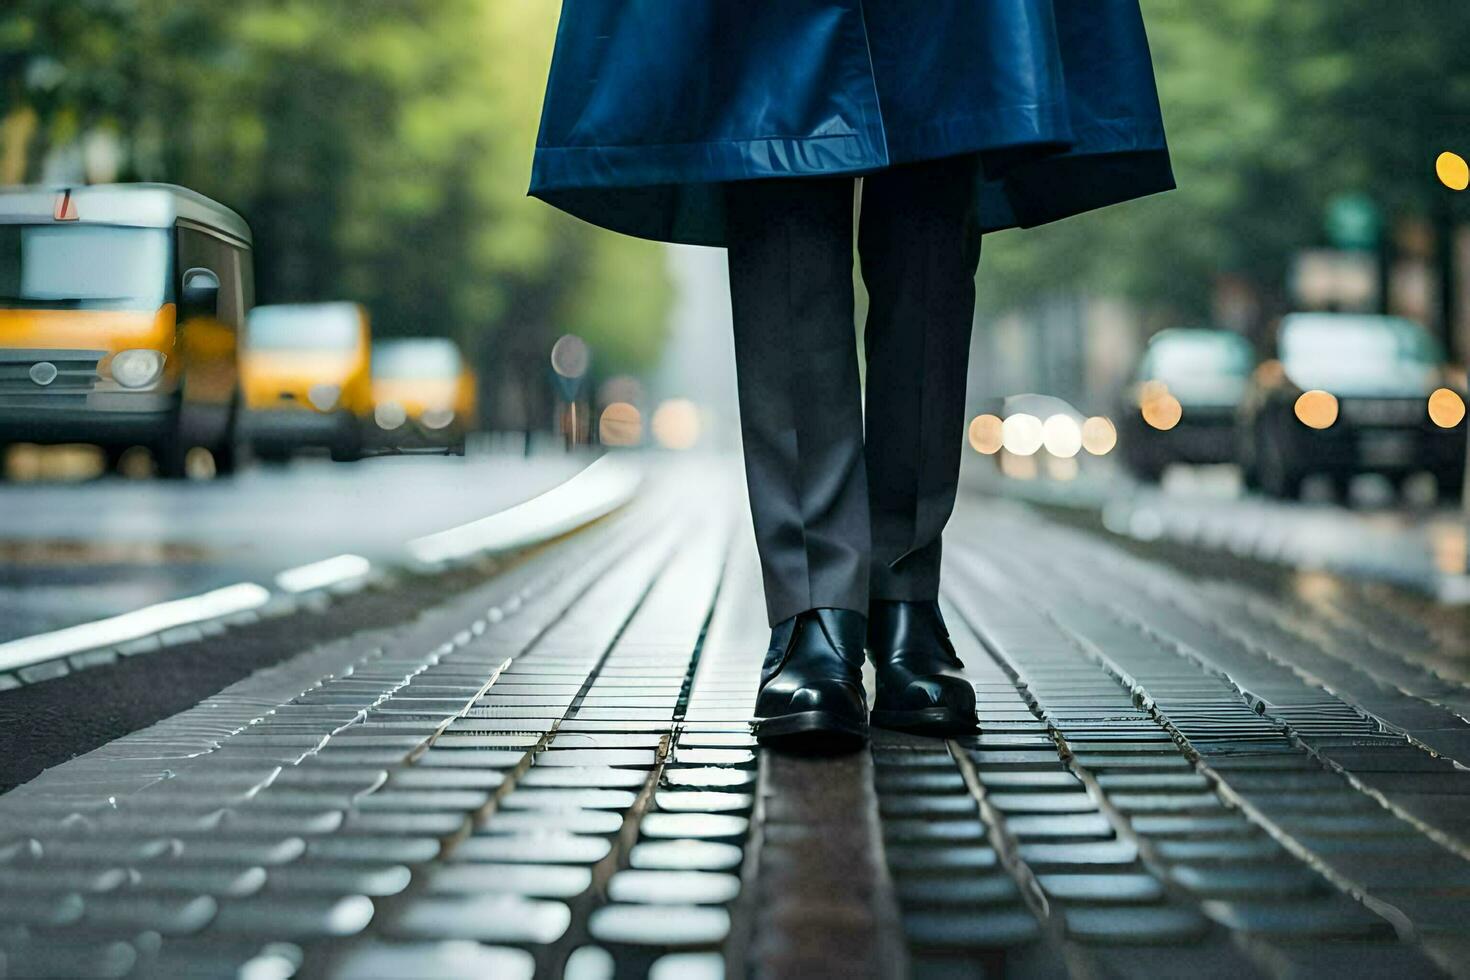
76	552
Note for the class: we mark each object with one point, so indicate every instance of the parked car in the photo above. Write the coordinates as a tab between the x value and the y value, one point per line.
424	395
1351	394
120	308
1182	404
308	381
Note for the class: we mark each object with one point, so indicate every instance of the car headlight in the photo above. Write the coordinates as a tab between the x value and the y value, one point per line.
389	415
1446	408
137	368
323	397
1162	411
1316	409
437	418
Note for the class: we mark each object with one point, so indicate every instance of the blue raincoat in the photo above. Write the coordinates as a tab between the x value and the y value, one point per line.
653	104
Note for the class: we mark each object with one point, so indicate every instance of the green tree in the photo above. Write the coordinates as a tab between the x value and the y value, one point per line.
1272	109
380	150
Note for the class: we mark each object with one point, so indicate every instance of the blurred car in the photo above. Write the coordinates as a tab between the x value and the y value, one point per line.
424	394
120	307
1353	394
1182	404
308	381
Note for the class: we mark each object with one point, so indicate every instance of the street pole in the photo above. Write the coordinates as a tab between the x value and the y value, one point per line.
1449	311
1445	272
1454	176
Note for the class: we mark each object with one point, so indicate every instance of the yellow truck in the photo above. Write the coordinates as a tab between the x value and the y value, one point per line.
120	309
424	395
308	380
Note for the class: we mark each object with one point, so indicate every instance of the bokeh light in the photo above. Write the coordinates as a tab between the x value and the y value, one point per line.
1271	372
1150	390
1099	436
135	463
1446	408
1317	409
676	424
1451	547
620	388
1452	171
1022	435
570	357
389	415
985	434
1018	467
1062	436
28	463
199	464
621	425
1062	469
1160	409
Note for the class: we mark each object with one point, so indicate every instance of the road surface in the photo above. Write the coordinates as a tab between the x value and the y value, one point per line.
549	772
75	552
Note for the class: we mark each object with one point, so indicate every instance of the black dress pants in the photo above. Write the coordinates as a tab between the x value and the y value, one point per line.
840	518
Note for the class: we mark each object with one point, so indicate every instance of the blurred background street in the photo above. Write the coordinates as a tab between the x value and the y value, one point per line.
376	535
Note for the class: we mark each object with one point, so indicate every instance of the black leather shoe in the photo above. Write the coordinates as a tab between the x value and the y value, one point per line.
920	687
811	694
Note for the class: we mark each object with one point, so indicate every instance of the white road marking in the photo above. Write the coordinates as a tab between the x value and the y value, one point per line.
231	599
598	490
323	574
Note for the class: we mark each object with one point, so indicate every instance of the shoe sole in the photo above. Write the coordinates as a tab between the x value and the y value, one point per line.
928	721
815	731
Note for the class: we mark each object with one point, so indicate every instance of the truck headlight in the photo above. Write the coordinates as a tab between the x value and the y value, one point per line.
437	418
137	368
323	397
389	415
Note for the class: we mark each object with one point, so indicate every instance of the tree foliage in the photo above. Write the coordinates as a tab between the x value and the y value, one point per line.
1272	109
380	149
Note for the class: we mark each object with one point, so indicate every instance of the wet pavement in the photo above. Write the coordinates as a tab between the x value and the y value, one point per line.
1416	544
76	552
552	774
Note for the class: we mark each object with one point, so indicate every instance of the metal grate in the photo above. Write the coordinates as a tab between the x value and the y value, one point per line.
76	371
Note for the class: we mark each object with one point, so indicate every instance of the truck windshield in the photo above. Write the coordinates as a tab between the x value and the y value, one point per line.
416	360
318	327
84	267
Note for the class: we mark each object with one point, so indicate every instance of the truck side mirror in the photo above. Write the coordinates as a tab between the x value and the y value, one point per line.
200	295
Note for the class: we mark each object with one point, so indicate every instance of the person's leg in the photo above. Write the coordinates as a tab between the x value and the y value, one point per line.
790	245
790	254
919	248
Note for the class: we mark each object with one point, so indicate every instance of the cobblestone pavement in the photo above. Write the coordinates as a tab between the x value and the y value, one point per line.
553	775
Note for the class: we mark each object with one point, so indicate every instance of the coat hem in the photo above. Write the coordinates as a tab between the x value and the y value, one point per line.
1040	192
1043	127
575	167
